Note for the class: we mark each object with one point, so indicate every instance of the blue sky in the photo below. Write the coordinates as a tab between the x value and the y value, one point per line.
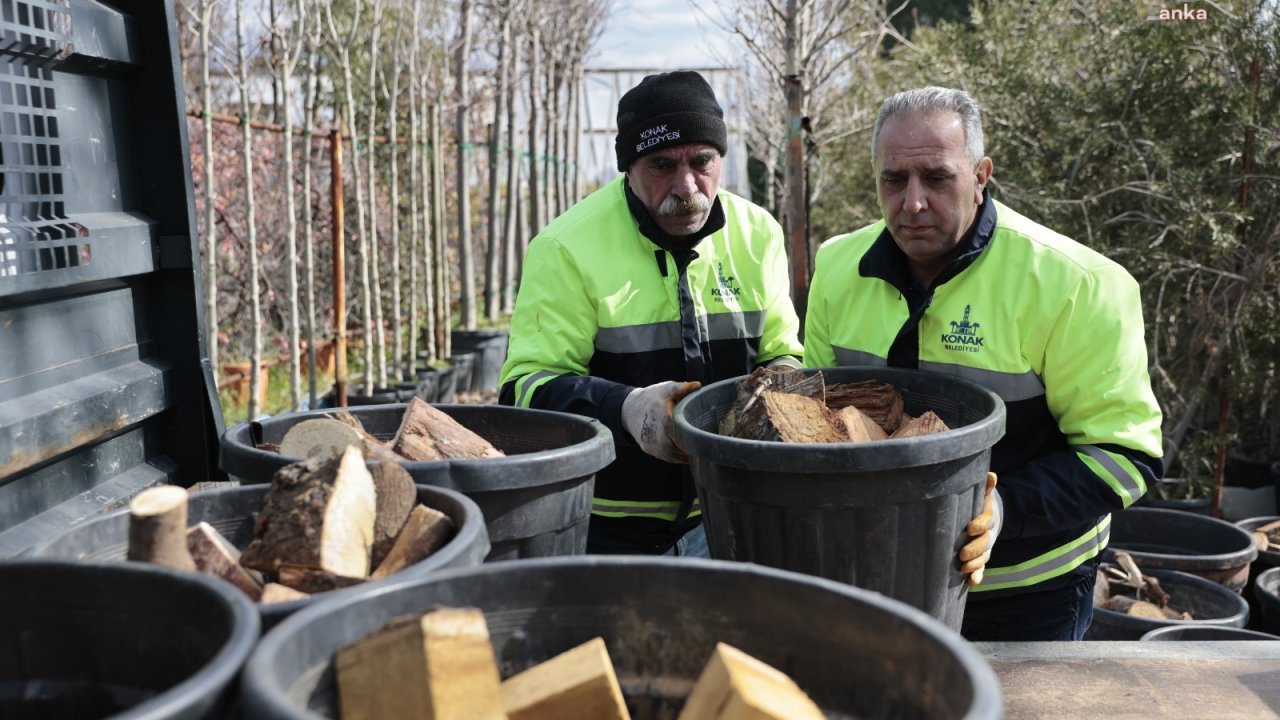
663	34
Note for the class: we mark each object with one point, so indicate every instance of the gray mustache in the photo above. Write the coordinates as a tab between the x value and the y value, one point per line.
697	203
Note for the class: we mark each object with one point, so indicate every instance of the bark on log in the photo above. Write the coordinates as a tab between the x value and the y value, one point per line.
427	434
426	531
879	401
158	528
215	555
397	495
800	419
747	417
319	514
325	436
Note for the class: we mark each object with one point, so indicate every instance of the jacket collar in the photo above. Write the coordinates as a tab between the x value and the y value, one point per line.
885	260
674	244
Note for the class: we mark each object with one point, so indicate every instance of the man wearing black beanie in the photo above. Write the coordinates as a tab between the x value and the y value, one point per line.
653	285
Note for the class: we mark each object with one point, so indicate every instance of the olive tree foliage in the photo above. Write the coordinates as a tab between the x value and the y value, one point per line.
1152	141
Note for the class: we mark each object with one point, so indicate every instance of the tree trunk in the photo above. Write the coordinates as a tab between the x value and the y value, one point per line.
210	195
510	229
397	326
797	213
537	215
497	144
291	218
377	333
307	216
255	357
467	306
441	244
415	187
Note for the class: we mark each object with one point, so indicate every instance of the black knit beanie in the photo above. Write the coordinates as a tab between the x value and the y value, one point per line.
675	108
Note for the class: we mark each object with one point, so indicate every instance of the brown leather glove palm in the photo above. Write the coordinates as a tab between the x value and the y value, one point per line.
983	529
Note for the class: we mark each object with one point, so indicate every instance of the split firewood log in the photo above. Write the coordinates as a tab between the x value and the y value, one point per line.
926	424
801	419
215	555
426	531
318	514
746	417
428	434
327	435
858	426
397	495
879	401
276	593
310	580
158	528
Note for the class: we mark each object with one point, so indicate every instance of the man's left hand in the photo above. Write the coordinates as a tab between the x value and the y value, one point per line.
983	529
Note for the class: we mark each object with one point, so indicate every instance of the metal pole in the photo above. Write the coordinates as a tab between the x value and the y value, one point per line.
339	269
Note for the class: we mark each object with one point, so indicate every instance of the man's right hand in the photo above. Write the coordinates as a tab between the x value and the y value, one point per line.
646	414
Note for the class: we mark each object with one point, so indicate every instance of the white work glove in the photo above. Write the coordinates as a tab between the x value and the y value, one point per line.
646	414
984	530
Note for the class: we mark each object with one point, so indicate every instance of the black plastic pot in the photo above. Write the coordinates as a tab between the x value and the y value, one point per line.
128	640
887	516
232	511
1200	633
463	365
536	501
857	654
1153	498
1210	603
1172	540
446	385
1266	590
356	395
490	350
428	386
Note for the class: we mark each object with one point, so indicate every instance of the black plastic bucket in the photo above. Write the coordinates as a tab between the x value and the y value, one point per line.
1266	560
1201	633
356	395
128	641
536	501
446	386
463	365
1175	540
232	510
1211	604
428	386
490	350
886	516
1266	591
857	654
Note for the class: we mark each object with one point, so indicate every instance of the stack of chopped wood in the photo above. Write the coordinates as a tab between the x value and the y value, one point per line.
780	404
441	665
1125	589
329	521
425	434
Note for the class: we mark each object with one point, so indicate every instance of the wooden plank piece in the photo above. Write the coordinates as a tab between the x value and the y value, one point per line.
439	666
578	684
426	531
735	686
215	555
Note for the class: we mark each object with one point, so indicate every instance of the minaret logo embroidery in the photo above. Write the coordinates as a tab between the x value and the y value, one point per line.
964	335
726	286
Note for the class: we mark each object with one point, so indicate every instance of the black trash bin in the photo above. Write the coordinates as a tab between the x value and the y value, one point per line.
856	653
490	349
128	640
232	510
887	516
536	501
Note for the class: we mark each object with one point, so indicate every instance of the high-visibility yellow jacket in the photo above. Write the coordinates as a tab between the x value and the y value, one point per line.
603	308
1052	327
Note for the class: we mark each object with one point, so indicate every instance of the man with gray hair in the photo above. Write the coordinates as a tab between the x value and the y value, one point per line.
952	281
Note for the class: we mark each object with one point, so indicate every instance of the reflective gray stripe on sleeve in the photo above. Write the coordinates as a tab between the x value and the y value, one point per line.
1109	464
1058	561
845	356
527	384
1009	386
666	335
